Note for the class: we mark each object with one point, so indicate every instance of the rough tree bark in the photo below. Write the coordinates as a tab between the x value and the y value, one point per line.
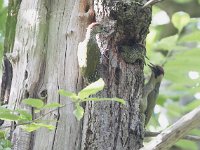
44	60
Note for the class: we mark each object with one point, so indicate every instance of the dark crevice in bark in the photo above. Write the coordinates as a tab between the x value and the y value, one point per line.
25	75
6	81
79	137
65	60
57	120
116	136
39	91
26	94
32	137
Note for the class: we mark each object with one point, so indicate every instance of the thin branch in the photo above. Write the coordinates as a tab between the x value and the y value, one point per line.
151	134
36	119
172	134
187	137
8	126
151	2
192	138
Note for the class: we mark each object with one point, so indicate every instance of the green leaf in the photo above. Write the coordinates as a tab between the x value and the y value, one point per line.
24	115
167	43
7	148
195	132
48	121
174	109
50	127
37	103
161	99
106	99
69	94
190	37
93	88
37	111
2	134
5	110
187	145
79	112
192	105
30	127
176	72
6	144
53	105
9	116
182	1
190	33
180	19
35	126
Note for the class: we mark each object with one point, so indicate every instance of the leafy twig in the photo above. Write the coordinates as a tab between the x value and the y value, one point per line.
34	120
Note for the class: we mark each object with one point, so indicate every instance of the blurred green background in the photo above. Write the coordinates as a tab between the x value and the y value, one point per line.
3	15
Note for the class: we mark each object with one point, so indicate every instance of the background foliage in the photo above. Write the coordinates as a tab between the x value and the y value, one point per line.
3	15
174	43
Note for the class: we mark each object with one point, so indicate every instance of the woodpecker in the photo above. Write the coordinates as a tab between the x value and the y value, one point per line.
151	91
88	51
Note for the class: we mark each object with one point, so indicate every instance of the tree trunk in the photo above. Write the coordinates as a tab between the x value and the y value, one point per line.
44	60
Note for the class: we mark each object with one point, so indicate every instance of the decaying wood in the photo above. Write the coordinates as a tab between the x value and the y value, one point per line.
47	62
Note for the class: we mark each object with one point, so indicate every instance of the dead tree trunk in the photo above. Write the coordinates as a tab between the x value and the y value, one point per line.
44	60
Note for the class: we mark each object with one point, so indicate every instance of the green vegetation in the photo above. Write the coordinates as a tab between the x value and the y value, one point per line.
26	121
179	54
84	96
